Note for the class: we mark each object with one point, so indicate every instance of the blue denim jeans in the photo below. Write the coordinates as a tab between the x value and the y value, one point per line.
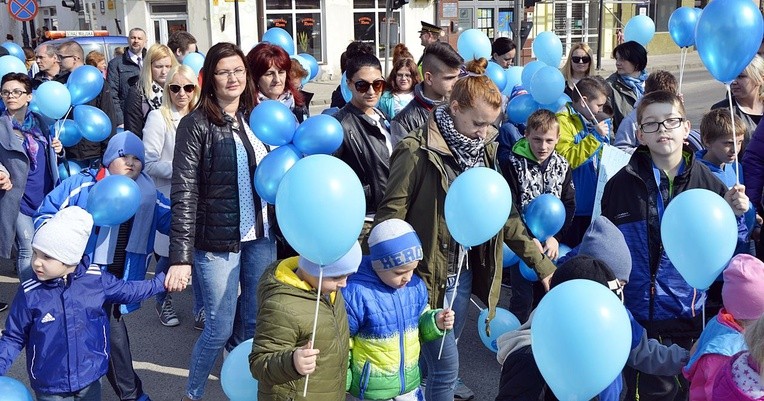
24	234
90	393
163	264
230	318
442	373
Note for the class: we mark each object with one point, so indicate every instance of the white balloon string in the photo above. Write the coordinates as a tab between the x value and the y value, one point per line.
476	304
704	315
734	135
575	86
59	126
315	324
462	258
682	60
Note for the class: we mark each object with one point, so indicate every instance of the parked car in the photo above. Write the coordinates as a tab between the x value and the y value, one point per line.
89	40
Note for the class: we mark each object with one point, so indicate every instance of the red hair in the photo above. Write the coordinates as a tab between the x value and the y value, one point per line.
264	56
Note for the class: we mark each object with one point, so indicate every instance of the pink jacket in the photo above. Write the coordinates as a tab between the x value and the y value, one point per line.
725	387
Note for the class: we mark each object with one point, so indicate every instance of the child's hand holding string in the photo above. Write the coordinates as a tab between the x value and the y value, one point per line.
304	359
737	199
445	319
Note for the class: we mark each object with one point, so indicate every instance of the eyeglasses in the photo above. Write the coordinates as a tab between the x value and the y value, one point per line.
403	76
669	124
363	86
63	57
15	93
581	60
187	88
238	73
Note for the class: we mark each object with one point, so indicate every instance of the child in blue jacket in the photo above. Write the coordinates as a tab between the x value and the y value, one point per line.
59	316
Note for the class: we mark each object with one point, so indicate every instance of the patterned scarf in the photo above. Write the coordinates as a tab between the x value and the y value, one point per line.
637	85
155	97
286	99
467	152
32	133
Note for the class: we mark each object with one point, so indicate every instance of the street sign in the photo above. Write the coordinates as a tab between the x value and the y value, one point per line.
23	10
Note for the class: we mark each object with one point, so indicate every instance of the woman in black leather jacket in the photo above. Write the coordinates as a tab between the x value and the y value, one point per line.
219	223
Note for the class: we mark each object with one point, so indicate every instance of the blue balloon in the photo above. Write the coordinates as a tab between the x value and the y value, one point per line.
509	258
544	216
319	134
14	390
727	36
113	200
94	124
305	65
497	75
473	44
9	64
503	322
320	206
235	376
345	89
15	50
699	233
68	132
514	78
53	99
74	169
528	273
273	123
272	169
529	70
520	108
314	70
581	338
195	61
557	105
547	85
281	38
31	106
477	206
84	84
681	26
640	29
562	251
548	48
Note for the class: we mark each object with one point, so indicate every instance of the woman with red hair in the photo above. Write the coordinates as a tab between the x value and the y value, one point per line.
270	66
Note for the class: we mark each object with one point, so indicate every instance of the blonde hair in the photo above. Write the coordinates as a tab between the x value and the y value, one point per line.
567	69
156	52
755	71
754	337
167	106
476	85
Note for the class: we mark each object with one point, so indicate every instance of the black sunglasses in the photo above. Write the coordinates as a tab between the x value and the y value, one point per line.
581	60
188	88
363	86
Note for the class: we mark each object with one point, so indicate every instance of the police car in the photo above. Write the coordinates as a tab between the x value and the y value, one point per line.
89	40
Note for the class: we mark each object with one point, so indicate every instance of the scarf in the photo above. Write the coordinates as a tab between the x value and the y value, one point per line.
637	85
285	98
154	98
467	152
31	135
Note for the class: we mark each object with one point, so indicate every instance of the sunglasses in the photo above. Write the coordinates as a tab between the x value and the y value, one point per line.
187	88
581	60
363	86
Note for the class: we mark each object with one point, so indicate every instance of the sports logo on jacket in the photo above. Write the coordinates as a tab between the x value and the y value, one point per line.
47	318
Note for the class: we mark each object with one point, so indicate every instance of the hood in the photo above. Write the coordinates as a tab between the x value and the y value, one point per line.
523	148
511	341
284	280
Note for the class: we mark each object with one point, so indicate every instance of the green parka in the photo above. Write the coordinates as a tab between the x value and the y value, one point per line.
416	193
285	323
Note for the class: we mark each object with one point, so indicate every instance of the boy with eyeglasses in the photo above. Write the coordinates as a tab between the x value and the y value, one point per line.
634	200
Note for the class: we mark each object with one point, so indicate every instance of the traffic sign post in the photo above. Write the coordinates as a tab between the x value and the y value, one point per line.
23	10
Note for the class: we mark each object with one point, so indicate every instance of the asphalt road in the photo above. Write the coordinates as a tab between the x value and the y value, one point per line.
161	354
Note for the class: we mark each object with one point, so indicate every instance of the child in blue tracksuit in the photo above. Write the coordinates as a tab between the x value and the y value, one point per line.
123	250
59	316
388	315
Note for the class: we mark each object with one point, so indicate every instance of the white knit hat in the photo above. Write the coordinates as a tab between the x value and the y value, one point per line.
64	236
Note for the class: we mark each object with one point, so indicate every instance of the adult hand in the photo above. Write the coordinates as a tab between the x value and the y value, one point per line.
445	319
5	182
304	359
57	146
737	199
177	277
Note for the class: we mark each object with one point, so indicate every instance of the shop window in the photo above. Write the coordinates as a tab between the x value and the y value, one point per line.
302	19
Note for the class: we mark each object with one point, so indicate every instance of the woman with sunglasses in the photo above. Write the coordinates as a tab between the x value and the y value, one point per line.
367	144
577	66
220	226
628	82
401	82
181	95
270	66
145	95
27	168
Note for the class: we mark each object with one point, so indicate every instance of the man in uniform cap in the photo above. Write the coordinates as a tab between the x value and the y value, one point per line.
429	33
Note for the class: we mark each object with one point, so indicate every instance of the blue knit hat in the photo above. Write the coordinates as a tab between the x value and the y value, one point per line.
123	144
393	243
345	265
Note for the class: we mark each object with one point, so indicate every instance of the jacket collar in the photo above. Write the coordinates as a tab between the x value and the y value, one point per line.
433	140
286	274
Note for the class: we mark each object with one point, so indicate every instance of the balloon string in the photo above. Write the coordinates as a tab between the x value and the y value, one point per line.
462	258
59	126
704	314
575	86
476	304
682	60
315	324
734	135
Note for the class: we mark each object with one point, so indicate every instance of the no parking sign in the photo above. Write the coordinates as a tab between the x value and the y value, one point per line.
23	10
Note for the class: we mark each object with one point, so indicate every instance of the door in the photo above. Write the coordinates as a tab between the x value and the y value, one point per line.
168	18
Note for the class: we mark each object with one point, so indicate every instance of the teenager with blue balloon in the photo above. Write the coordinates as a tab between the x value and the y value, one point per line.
220	225
628	82
660	172
28	171
270	67
457	136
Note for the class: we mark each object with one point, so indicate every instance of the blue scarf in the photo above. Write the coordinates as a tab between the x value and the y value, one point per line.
637	85
32	135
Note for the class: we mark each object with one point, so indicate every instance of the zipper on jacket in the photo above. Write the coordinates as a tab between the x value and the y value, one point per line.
355	141
401	334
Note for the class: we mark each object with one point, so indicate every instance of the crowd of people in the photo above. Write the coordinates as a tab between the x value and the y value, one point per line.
393	308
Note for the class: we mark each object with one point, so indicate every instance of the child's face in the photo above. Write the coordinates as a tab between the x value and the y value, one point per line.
596	105
328	284
722	150
46	268
663	142
128	165
398	277
542	142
